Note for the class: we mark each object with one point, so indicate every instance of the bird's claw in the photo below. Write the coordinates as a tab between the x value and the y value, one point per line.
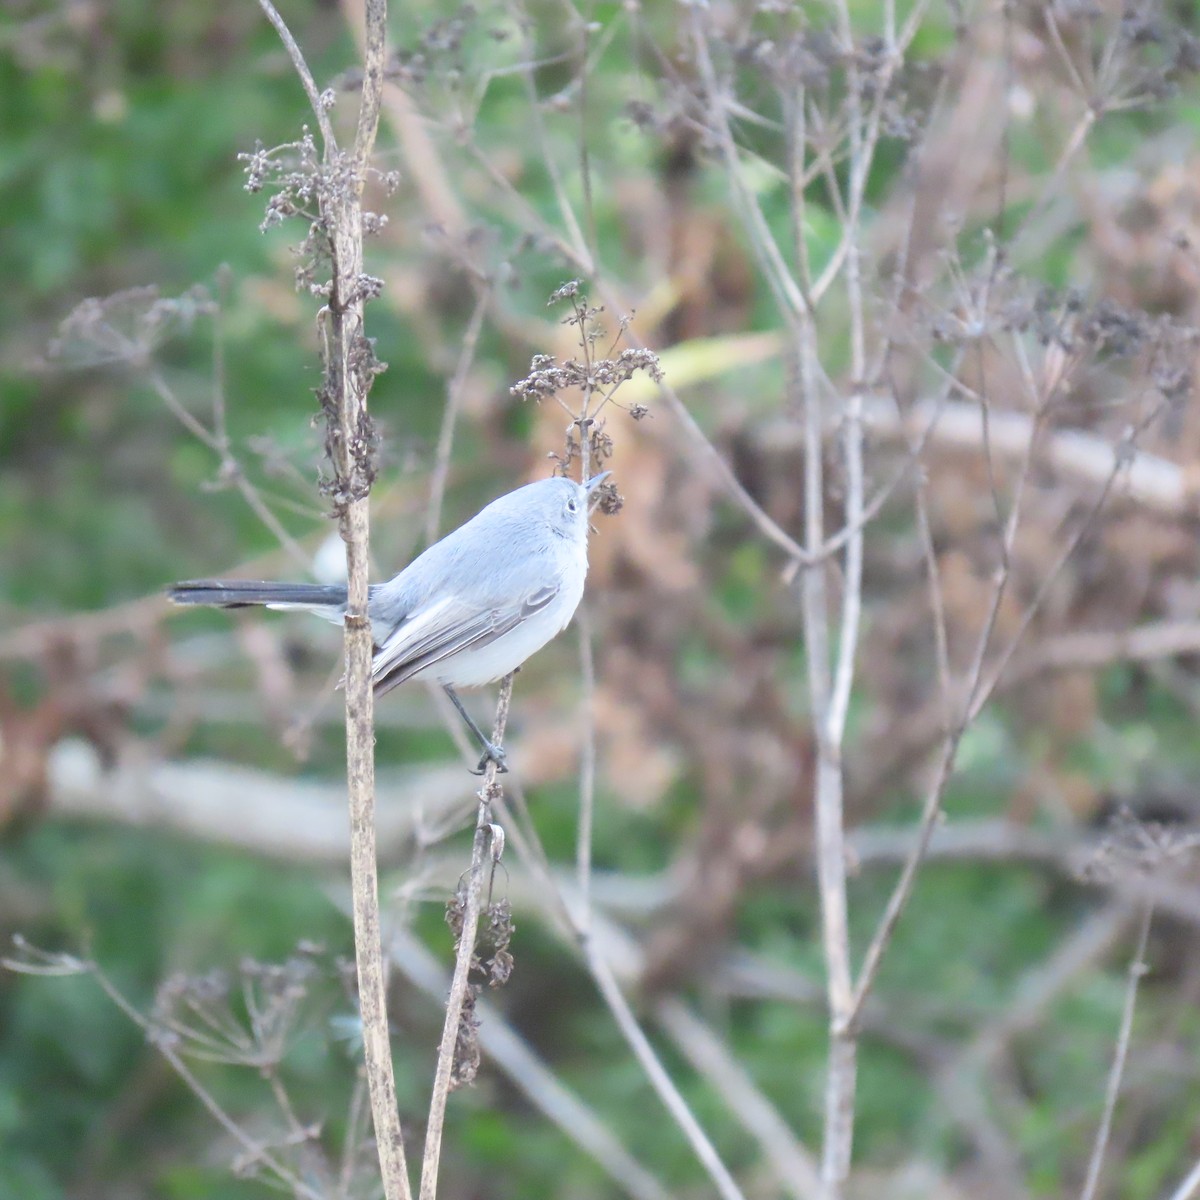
492	753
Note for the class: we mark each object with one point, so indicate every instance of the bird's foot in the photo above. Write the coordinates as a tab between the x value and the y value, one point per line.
492	753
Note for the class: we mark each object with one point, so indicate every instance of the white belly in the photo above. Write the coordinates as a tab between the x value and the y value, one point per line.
475	667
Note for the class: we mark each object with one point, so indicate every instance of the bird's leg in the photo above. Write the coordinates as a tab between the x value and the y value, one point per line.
491	752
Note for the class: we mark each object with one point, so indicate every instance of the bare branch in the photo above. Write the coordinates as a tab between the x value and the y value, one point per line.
256	1154
1137	968
662	1083
1189	1187
796	1170
306	79
374	60
587	766
349	371
472	903
528	1072
454	396
229	468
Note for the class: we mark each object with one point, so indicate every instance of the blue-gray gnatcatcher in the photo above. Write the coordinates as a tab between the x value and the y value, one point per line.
468	610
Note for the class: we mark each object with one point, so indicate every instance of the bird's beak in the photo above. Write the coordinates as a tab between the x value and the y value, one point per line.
597	479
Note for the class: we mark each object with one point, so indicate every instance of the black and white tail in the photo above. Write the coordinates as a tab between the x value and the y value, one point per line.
238	593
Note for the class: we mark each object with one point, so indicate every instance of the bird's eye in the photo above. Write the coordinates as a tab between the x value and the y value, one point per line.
572	506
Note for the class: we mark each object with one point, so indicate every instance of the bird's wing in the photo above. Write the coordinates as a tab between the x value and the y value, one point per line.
444	629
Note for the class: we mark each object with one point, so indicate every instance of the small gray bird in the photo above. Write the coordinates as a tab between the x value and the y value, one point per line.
469	609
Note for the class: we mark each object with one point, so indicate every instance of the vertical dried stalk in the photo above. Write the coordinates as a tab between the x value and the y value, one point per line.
1189	1187
1137	968
660	1080
482	852
830	708
831	848
587	768
454	397
350	368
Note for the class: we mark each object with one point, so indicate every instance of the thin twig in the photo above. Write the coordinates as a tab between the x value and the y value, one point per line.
587	765
797	1171
568	917
1189	1187
661	1082
454	397
1137	968
306	78
255	1152
509	1052
978	687
481	859
841	1075
229	468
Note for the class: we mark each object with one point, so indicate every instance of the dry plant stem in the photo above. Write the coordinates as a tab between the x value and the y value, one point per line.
481	864
508	1052
360	770
534	857
587	766
345	328
789	297
843	1050
454	394
662	1083
1137	968
753	1111
346	383
255	1153
796	1169
1189	1187
797	1172
354	1133
978	687
301	66
587	679
831	851
229	468
829	694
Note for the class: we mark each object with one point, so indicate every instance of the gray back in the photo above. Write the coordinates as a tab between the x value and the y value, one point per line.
496	556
